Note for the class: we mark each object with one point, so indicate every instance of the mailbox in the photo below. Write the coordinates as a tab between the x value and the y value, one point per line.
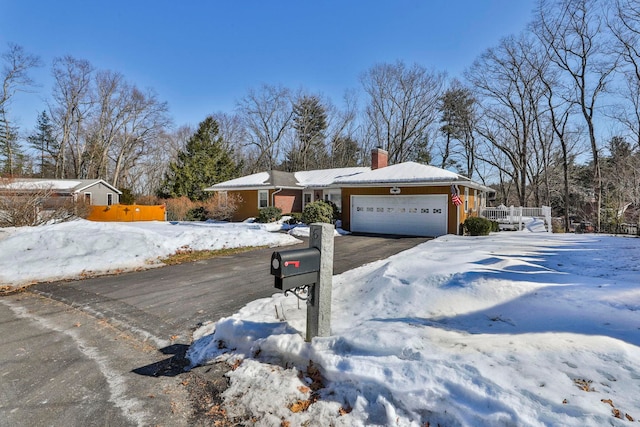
295	267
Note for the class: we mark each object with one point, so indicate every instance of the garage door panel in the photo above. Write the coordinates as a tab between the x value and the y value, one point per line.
424	215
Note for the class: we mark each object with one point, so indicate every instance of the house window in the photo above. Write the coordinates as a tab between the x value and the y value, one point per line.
87	198
334	197
466	200
306	199
263	198
109	199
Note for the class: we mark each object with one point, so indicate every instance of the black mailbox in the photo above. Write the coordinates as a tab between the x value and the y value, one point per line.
295	267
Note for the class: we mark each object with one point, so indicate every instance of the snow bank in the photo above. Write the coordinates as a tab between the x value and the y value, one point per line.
515	328
80	248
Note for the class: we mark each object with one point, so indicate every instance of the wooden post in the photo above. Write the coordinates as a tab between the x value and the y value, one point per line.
319	310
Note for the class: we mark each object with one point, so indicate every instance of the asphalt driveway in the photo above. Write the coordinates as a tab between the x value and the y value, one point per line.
165	304
110	350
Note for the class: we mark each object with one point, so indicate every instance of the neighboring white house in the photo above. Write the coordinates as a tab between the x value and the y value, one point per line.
96	192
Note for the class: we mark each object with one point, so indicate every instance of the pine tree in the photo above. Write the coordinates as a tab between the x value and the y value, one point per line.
457	117
203	162
44	143
10	153
310	124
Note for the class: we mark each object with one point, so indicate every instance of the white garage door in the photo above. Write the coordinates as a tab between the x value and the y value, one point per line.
408	215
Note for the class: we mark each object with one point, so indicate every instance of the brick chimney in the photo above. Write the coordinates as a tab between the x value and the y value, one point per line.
379	158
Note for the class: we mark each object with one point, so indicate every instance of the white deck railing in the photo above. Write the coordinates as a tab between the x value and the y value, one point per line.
518	215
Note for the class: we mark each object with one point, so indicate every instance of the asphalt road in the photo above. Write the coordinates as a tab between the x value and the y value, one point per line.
100	351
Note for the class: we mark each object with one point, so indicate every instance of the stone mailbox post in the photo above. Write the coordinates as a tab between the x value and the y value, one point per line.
309	271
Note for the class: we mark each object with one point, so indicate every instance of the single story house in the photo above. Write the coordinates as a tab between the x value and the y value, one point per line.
96	192
288	191
406	198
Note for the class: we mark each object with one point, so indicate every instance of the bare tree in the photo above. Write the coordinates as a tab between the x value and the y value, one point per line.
402	104
148	172
559	110
573	33
111	107
234	134
69	110
625	26
142	127
16	64
341	127
509	93
267	115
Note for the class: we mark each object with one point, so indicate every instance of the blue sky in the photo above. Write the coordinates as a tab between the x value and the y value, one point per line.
202	56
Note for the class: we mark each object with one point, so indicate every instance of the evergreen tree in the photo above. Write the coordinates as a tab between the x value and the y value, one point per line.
203	162
309	124
44	143
10	153
457	116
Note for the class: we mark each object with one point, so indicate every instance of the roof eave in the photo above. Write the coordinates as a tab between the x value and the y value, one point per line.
253	187
403	183
97	181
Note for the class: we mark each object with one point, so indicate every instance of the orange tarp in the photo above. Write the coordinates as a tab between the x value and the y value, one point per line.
127	213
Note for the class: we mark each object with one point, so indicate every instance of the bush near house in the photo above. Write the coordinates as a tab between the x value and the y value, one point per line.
336	211
319	211
184	209
269	214
296	218
477	226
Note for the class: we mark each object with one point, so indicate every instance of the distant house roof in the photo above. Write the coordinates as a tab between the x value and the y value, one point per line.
69	186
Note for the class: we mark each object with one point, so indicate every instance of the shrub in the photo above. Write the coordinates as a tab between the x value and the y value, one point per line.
149	200
127	197
495	226
319	211
184	209
296	218
336	211
178	208
199	213
269	214
477	226
222	206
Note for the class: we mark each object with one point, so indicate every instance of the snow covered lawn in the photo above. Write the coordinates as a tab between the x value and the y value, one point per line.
513	329
84	248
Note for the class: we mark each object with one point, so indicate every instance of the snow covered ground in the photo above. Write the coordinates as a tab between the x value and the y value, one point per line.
513	329
84	248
